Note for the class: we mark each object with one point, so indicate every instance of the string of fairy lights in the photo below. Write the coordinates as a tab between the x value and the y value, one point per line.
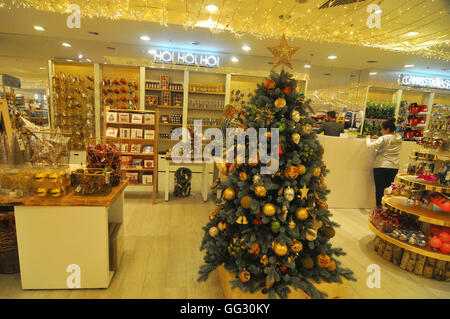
264	19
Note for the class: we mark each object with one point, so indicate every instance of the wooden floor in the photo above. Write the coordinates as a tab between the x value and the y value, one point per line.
162	258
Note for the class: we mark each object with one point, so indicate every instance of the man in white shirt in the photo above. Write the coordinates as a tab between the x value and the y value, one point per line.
386	163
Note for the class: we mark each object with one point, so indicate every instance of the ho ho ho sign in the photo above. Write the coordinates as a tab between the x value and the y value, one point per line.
186	58
425	82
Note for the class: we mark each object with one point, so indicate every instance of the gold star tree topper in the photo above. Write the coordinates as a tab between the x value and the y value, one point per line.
283	53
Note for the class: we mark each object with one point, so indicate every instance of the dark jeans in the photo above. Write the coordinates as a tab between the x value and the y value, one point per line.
383	178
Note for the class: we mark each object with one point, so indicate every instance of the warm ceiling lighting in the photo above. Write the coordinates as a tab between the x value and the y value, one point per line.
307	66
332	57
411	34
379	11
69	60
145	38
152	51
246	48
65	44
212	8
39	28
89	60
409	65
234	59
373	73
42	68
80	56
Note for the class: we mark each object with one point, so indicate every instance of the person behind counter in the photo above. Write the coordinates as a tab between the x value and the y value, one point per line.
386	163
331	127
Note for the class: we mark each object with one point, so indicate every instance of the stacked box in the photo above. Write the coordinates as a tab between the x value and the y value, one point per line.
165	98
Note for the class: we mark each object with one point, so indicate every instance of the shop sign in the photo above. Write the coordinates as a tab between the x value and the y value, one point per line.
425	82
186	58
10	81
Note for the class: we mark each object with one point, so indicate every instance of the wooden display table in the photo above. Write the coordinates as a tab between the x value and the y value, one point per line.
64	243
334	290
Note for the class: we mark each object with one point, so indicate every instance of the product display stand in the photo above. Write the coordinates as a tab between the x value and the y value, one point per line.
203	164
64	243
334	290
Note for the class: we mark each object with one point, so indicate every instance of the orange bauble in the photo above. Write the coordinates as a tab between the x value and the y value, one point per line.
291	172
323	260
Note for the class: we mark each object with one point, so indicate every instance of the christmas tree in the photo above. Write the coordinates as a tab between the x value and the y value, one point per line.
273	230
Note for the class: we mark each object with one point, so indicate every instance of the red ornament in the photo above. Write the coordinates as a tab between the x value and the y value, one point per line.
435	230
116	91
123	99
280	151
444	237
123	81
445	248
435	243
283	269
287	90
122	90
115	82
269	85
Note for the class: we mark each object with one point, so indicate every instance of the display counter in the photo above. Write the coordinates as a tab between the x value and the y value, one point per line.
71	242
350	163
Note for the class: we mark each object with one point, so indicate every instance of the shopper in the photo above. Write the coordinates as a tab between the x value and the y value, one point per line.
331	127
386	164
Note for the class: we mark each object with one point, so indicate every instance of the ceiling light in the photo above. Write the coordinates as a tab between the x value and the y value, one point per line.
234	59
42	68
409	65
332	57
373	73
69	60
65	44
411	34
212	8
39	28
80	56
379	11
89	60
246	48
152	51
307	66
145	38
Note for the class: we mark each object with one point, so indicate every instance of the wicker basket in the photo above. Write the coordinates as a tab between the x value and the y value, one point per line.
91	181
9	256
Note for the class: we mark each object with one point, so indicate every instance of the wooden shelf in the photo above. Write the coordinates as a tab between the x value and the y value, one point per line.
414	249
143	140
137	154
165	106
132	111
131	124
432	216
165	90
217	109
171	124
429	186
139	185
211	93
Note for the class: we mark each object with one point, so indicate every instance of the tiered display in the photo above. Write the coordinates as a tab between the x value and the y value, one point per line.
73	104
413	228
416	121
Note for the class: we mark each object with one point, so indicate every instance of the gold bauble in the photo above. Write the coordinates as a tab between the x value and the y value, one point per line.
323	186
296	246
213	231
255	250
260	191
295	138
222	226
280	103
309	236
291	172
243	176
323	260
291	258
269	209
301	169
229	193
332	266
321	151
268	134
316	172
306	129
270	283
280	249
302	213
244	276
245	201
329	232
319	224
264	260
308	263
292	224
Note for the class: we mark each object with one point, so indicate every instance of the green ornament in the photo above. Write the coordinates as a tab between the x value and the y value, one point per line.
282	127
254	110
275	226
